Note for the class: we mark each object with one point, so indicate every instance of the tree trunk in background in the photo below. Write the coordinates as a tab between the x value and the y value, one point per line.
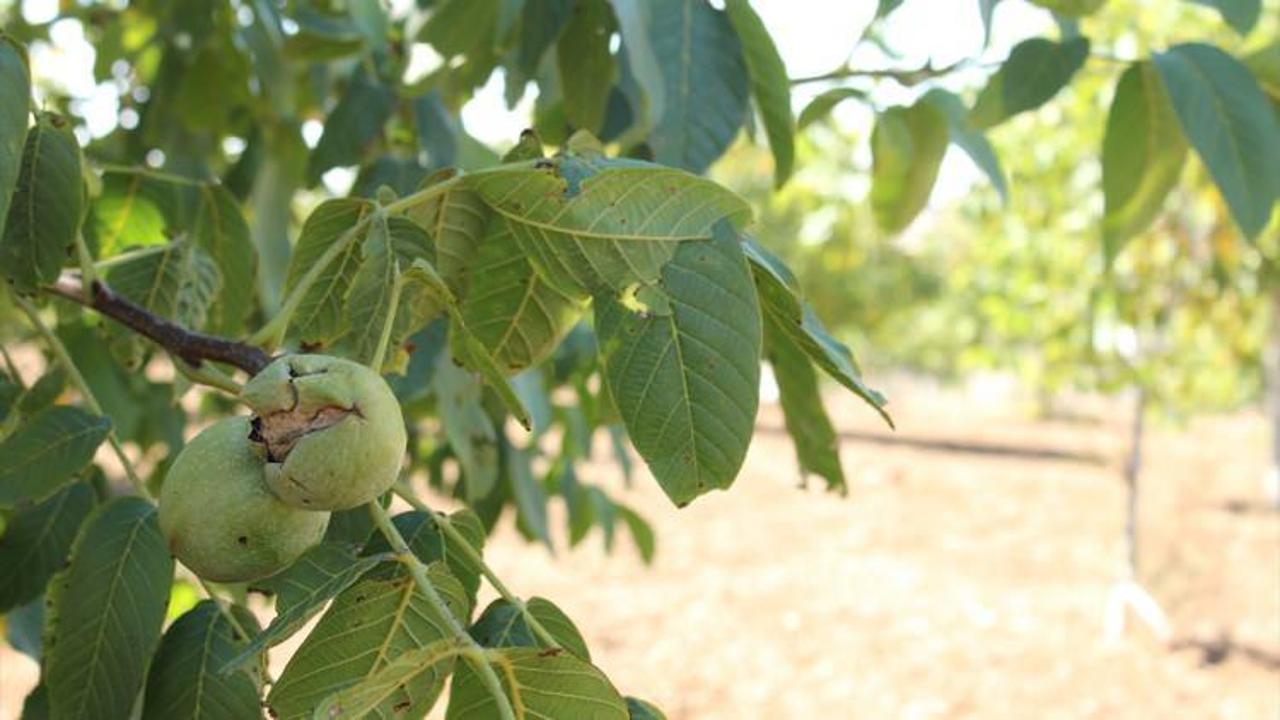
1271	378
1132	468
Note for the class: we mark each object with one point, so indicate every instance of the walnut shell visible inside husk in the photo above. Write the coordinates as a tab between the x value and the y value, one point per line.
329	430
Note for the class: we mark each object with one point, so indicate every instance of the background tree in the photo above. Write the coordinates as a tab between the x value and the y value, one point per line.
516	304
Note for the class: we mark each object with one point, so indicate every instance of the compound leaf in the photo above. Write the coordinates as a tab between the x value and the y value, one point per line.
545	683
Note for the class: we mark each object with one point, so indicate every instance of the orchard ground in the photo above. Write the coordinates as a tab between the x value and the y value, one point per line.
949	584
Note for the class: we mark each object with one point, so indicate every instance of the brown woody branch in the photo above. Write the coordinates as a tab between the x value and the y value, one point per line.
907	77
190	346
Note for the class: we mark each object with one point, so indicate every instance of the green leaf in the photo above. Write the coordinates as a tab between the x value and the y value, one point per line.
1227	120
44	392
705	83
503	625
23	627
529	494
1034	72
1264	63
973	142
510	308
1142	155
907	146
36	541
780	301
769	85
587	68
456	221
185	681
105	612
635	18
548	683
822	105
393	244
301	591
641	533
457	26
643	710
15	84
140	209
353	126
1071	8
319	317
430	545
470	432
322	35
368	626
687	382
44	216
363	698
817	448
36	705
1241	15
987	9
604	224
46	452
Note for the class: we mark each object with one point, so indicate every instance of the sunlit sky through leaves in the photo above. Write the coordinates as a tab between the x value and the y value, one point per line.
814	37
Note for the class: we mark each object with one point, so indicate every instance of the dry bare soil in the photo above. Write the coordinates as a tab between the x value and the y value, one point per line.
949	584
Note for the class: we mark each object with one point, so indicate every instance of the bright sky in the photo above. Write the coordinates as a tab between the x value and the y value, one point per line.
813	36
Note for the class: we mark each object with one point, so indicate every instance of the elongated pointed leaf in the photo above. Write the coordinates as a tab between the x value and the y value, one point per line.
687	382
1228	121
44	215
769	85
817	449
222	233
1264	63
185	682
587	68
510	308
15	84
105	613
529	495
602	224
363	698
635	18
353	126
319	317
549	683
36	542
456	221
1071	8
472	437
1241	15
907	146
503	625
46	452
368	626
391	247
704	83
638	709
822	105
1142	155
972	141
780	299
302	590
1035	71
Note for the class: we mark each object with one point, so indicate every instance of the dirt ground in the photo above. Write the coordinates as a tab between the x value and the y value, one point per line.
949	584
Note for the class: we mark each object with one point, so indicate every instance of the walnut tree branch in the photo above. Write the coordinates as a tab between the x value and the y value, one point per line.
193	347
907	77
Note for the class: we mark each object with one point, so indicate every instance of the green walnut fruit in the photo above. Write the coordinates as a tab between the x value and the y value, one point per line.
220	518
329	429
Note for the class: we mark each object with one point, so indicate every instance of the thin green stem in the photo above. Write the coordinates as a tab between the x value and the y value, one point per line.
472	650
380	354
64	357
222	608
13	368
465	548
272	334
87	271
206	374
